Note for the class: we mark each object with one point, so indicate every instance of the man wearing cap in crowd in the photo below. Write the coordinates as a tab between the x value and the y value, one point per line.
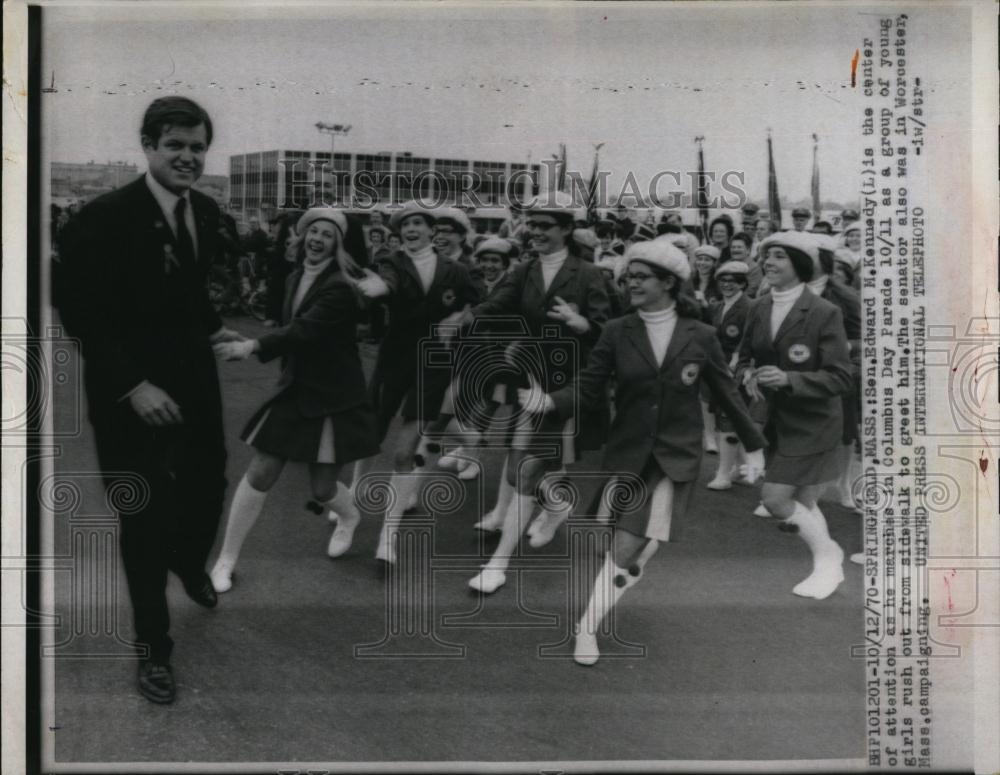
749	216
800	218
849	215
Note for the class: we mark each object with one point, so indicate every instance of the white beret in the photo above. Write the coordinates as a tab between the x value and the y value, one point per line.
708	250
849	257
413	207
802	241
662	254
322	214
826	241
454	215
555	203
585	237
610	263
494	245
733	267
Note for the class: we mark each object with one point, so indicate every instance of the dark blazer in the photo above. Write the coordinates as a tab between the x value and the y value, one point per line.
658	408
138	313
523	293
850	308
805	417
729	326
320	362
412	315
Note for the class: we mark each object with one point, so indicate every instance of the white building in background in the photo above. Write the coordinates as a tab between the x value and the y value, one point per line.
265	182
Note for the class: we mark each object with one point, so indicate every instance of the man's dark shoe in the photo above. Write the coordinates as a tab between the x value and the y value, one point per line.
156	681
200	589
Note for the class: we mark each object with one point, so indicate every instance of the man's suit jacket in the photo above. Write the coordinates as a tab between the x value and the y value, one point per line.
658	407
317	345
811	347
139	312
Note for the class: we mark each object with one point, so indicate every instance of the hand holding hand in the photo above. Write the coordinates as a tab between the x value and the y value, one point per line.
226	335
565	313
750	384
236	351
371	285
753	469
154	405
534	400
450	325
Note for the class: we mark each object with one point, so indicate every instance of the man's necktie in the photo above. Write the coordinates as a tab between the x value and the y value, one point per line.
185	245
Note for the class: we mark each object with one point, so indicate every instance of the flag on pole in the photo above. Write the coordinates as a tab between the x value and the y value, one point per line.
592	187
561	168
773	200
814	184
701	196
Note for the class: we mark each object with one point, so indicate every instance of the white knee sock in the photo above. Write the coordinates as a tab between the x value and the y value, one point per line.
728	453
243	513
515	520
610	585
826	553
343	504
494	519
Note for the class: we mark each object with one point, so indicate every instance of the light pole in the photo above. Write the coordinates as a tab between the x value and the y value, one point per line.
333	130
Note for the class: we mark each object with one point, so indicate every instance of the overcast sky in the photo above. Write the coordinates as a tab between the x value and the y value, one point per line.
493	82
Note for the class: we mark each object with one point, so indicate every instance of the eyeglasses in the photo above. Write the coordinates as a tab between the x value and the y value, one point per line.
541	225
639	277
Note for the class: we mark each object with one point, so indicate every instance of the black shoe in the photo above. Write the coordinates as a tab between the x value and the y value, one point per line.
200	590
156	682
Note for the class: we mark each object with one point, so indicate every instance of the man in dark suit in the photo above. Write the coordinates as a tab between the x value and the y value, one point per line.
134	264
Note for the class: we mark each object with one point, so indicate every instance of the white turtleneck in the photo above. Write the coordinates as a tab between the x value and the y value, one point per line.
782	303
425	261
310	271
727	303
660	328
551	264
819	285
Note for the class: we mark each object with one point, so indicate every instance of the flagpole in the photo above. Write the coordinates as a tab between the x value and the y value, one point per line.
701	194
814	183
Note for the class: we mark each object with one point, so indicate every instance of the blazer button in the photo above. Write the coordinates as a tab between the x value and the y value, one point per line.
655	406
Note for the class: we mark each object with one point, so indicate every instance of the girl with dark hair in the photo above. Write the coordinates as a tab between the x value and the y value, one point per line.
720	232
320	412
706	258
794	356
660	356
561	290
729	320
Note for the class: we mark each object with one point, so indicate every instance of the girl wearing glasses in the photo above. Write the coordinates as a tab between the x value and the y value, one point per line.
660	356
794	355
556	293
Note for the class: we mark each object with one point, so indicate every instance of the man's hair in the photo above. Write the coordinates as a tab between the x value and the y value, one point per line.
173	111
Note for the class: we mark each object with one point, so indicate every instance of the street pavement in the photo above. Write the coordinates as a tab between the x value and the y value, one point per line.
310	659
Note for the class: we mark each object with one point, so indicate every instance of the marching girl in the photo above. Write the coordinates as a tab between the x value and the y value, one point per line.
794	355
451	233
706	292
492	258
826	286
660	355
420	289
558	288
729	320
320	412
